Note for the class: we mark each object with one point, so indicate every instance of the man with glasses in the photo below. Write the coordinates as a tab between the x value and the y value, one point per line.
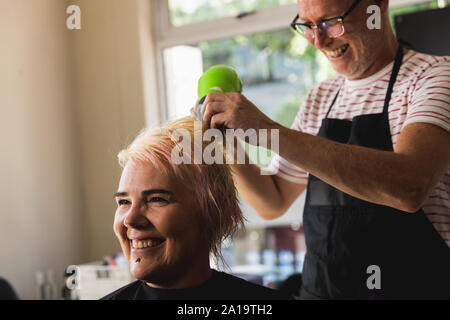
372	149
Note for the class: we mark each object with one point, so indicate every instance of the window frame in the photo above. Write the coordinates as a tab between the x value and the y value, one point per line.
167	36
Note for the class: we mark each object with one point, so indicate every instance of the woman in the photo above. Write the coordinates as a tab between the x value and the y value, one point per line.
171	217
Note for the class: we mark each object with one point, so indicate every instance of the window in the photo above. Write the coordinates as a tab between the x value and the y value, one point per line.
184	12
416	6
277	67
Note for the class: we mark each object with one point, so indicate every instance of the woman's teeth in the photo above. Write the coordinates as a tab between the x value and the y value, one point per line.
337	52
140	244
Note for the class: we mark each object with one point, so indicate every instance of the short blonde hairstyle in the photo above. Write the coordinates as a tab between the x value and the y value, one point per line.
212	184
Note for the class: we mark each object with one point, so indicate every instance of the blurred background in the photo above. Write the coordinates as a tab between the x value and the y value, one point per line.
72	99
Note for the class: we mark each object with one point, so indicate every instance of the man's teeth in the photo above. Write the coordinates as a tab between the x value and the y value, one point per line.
337	52
140	244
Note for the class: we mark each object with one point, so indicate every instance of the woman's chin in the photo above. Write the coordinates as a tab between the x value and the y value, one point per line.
140	274
136	269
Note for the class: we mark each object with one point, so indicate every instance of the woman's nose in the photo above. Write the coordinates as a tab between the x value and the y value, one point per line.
135	217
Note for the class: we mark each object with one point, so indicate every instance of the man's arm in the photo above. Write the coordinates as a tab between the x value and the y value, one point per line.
401	179
270	195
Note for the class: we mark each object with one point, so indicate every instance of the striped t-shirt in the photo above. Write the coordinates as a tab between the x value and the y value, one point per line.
421	94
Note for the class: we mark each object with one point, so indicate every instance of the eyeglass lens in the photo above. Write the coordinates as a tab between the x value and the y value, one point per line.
332	29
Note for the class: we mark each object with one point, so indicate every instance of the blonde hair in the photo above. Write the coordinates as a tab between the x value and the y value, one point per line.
212	184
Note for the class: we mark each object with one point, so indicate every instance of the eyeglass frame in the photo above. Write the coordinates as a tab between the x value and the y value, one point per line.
340	19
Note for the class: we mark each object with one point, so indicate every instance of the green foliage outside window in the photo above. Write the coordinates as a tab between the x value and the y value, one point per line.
197	11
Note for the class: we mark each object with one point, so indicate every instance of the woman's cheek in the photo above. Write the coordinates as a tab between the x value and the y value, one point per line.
121	234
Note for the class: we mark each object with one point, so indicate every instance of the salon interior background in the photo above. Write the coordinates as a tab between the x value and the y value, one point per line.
71	99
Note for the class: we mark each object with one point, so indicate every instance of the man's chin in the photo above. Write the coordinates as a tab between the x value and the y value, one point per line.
345	70
345	65
340	70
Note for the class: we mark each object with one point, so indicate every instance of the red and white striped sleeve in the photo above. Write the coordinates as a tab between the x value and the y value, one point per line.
283	168
430	99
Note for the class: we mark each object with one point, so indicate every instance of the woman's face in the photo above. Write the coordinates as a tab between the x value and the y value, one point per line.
158	227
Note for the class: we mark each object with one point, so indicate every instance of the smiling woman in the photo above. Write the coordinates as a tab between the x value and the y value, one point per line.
170	218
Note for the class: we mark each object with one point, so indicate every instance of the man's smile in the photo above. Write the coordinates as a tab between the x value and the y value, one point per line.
337	52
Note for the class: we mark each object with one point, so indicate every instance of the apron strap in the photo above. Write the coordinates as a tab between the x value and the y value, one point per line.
395	70
334	100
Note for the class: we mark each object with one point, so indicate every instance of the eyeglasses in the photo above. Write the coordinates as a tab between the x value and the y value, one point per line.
332	27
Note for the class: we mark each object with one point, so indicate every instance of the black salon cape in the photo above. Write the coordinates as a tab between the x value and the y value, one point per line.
220	286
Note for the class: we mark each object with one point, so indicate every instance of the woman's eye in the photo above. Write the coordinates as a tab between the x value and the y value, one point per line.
123	202
157	199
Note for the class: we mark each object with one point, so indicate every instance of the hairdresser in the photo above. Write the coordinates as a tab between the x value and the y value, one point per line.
371	147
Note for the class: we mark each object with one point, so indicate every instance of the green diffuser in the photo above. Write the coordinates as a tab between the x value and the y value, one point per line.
219	78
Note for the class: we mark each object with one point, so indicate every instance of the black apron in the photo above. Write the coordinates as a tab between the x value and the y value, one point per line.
346	235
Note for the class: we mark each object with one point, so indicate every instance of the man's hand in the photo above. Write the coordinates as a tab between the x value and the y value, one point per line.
269	195
234	111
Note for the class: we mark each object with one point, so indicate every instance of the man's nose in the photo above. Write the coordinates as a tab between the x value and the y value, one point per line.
321	39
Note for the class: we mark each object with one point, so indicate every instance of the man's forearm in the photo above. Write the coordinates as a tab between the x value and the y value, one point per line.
259	191
376	176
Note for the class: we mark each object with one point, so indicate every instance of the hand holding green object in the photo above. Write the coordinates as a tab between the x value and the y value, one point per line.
219	78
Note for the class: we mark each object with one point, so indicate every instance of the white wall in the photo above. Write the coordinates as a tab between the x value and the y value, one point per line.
115	83
69	101
41	204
